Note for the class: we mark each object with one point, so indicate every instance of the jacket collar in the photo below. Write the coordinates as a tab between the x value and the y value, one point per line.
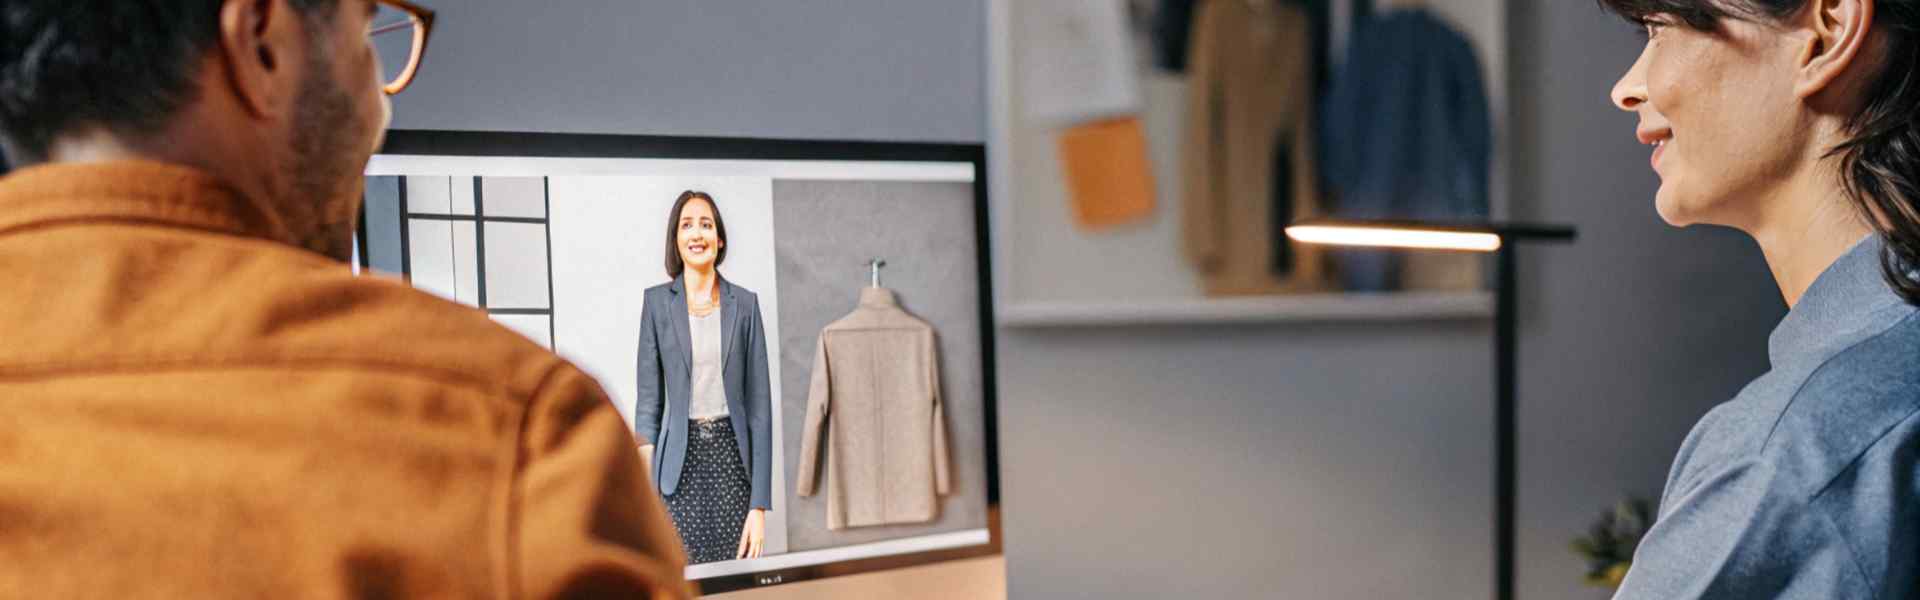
1847	303
152	192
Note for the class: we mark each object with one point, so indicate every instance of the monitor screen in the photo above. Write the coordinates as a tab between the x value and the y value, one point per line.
850	388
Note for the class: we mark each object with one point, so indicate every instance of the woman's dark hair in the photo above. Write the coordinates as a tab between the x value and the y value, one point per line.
674	266
1880	161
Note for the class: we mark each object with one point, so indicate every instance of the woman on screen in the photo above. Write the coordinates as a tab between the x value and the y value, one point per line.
1793	121
703	402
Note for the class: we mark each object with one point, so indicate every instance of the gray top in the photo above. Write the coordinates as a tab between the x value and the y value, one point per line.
1806	484
708	398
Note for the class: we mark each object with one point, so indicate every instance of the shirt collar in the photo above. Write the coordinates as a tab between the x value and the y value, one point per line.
143	191
878	297
1845	305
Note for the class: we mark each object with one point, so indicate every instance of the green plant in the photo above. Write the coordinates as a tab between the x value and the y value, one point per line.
1609	543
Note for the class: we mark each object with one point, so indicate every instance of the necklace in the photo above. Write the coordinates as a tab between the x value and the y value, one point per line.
702	306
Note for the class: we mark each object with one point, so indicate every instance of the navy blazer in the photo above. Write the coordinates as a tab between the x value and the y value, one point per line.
666	382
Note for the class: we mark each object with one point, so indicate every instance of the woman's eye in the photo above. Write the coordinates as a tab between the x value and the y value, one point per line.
1654	28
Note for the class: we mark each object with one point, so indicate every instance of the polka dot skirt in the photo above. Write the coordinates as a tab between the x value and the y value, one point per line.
710	505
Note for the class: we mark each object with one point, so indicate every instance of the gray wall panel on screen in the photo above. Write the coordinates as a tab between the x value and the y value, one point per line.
847	69
383	223
1630	335
825	232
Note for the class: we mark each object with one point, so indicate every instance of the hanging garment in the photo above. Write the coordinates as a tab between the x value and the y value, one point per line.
1249	115
1405	132
1172	25
1108	173
874	410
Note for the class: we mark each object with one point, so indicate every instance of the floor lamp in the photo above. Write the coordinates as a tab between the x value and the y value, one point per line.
1503	240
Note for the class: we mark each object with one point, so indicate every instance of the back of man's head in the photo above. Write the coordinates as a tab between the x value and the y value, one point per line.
279	98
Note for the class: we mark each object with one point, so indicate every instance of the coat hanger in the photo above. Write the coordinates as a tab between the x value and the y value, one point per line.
873	267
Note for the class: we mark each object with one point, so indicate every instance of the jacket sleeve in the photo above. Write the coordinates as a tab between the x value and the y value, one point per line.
581	520
647	394
1201	149
759	410
819	396
942	478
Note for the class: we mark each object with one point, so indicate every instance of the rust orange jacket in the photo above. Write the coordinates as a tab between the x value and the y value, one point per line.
193	407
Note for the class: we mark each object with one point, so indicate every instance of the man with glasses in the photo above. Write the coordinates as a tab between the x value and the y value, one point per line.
199	399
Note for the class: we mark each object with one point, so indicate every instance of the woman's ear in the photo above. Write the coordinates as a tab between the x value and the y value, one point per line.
1840	36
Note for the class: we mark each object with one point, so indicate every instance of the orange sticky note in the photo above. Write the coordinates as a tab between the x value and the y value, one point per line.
1108	176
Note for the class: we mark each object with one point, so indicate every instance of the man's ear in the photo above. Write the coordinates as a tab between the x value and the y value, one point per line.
260	44
1839	42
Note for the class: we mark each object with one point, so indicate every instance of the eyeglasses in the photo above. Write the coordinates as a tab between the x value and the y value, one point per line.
399	36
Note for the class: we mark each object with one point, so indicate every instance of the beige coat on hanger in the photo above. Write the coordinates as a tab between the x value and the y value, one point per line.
1250	93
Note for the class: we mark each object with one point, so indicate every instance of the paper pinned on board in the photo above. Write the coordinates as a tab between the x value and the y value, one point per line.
1108	174
1076	62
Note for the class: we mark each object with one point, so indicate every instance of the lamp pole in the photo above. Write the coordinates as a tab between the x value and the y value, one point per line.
1503	239
1504	423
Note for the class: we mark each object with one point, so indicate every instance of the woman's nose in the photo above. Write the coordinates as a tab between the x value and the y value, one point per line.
1631	90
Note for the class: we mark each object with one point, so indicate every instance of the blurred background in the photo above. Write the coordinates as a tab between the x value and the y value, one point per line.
1318	426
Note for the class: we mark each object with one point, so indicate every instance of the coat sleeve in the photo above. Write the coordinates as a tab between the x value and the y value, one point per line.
942	477
582	521
647	393
1201	149
819	395
759	411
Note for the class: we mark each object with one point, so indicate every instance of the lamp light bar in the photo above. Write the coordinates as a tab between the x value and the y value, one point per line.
1395	237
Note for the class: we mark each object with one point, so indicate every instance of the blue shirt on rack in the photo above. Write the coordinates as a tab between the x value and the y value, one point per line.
1806	484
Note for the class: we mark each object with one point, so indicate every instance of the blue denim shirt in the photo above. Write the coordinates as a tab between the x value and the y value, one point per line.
1806	484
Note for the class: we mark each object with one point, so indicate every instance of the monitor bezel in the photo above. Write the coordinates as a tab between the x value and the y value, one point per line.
421	142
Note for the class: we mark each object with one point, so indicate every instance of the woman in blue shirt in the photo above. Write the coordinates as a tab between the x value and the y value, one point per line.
1793	120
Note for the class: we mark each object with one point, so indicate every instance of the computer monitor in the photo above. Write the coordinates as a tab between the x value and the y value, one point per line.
559	237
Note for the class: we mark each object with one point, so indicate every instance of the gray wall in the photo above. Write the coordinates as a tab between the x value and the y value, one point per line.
842	69
1284	461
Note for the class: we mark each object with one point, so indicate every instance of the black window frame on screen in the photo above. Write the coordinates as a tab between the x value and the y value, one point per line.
480	219
559	145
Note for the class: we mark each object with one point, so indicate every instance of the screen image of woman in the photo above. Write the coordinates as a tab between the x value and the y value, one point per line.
703	400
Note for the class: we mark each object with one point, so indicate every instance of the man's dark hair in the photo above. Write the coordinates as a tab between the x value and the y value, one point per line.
125	65
1880	160
674	266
